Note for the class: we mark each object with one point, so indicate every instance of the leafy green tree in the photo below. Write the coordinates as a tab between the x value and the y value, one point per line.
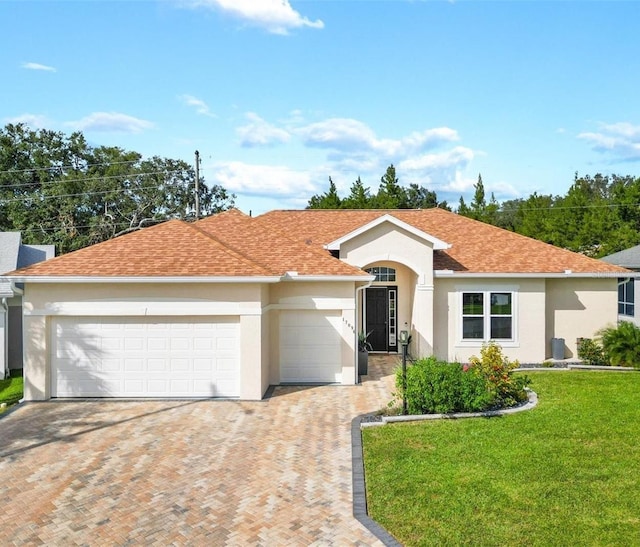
478	206
57	189
390	194
463	208
419	197
328	200
508	214
359	197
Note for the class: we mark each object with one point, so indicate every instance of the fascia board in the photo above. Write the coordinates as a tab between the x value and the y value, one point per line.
329	278
141	279
446	274
438	244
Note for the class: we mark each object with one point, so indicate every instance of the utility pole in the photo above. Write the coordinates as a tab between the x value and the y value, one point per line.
197	185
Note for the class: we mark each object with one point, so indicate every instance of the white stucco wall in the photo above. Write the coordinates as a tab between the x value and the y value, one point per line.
387	242
530	342
579	308
245	301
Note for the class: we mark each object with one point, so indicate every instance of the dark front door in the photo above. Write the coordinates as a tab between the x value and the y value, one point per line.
380	309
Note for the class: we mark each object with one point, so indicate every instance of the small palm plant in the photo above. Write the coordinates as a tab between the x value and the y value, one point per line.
622	344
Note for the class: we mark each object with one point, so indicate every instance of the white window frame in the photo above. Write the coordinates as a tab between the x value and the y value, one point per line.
486	292
622	282
384	274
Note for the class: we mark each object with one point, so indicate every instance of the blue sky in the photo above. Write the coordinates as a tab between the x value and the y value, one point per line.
278	95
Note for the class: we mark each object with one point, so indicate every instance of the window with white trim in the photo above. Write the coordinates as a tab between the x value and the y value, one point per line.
626	297
487	315
382	273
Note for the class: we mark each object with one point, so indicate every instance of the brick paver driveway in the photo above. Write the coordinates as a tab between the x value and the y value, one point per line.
276	472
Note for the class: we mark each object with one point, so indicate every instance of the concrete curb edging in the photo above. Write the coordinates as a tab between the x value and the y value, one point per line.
531	403
359	489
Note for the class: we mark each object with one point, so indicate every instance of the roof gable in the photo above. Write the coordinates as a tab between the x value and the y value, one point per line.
436	243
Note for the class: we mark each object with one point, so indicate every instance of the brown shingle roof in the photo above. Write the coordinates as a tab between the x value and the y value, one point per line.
173	248
231	244
476	247
271	247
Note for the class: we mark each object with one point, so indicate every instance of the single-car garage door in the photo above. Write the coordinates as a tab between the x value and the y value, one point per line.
310	346
144	357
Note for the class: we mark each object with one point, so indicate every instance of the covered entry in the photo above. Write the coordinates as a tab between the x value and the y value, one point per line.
381	317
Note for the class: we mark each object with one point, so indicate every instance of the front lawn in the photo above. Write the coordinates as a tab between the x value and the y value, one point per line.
563	473
11	389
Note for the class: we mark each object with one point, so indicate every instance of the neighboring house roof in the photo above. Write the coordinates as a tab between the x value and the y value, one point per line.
628	258
292	243
476	247
14	254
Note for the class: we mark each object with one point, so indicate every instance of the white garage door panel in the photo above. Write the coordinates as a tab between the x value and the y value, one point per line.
310	346
144	357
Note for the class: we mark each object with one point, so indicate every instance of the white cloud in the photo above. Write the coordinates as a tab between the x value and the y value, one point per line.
338	133
346	135
36	121
276	16
459	156
620	140
200	106
111	122
258	132
38	66
345	148
263	180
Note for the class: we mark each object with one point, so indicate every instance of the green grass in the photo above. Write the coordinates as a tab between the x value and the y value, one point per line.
563	473
11	389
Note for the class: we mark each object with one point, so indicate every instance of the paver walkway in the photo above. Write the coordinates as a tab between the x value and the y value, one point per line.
276	472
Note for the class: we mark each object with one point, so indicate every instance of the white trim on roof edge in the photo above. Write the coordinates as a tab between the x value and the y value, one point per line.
449	274
438	244
293	276
141	279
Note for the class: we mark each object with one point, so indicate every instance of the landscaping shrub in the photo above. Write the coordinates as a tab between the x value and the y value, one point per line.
622	344
506	390
438	387
592	353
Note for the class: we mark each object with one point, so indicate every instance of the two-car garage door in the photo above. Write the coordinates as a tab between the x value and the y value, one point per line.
144	357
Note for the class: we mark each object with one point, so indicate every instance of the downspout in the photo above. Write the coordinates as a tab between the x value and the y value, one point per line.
5	312
359	289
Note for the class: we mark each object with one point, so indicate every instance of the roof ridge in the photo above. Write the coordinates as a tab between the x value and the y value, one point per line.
106	242
312	248
232	250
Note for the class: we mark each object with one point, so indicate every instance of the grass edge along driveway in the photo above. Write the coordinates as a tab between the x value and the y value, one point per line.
565	472
11	390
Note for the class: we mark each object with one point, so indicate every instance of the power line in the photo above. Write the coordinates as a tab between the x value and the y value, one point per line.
77	227
46	197
63	167
91	179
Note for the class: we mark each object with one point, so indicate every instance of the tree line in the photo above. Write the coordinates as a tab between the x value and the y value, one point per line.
57	189
597	216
